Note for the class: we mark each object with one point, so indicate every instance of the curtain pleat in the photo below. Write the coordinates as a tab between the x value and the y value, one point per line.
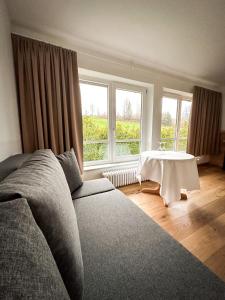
48	96
205	124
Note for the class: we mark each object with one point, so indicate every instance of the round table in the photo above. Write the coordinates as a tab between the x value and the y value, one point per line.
173	171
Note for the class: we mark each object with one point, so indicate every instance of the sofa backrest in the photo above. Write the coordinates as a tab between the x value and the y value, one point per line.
42	182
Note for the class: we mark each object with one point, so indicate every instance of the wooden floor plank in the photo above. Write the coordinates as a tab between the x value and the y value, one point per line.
185	225
198	223
216	262
207	240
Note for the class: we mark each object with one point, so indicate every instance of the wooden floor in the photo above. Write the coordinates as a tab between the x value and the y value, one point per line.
197	223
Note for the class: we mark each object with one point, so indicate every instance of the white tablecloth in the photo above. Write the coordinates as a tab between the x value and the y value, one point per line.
172	170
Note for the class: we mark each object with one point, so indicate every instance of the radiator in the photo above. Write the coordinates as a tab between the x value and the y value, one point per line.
121	177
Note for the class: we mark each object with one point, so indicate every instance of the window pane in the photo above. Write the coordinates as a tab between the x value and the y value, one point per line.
96	151
184	123
182	145
169	117
184	118
95	120
167	145
127	148
128	121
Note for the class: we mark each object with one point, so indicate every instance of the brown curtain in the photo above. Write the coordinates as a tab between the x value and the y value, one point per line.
205	125
49	97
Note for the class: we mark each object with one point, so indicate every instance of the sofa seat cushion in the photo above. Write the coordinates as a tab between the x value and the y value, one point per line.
11	164
28	269
42	182
126	255
92	187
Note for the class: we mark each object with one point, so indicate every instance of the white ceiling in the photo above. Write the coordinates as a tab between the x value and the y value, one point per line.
185	36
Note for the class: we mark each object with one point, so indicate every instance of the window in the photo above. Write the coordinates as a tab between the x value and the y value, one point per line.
112	121
175	121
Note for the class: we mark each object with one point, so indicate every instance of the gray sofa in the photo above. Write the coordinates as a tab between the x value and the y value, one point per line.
91	244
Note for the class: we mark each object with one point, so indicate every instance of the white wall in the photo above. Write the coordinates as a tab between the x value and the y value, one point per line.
9	122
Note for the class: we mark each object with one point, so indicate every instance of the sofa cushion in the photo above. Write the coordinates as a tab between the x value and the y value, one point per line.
92	187
127	255
71	169
42	182
12	163
28	269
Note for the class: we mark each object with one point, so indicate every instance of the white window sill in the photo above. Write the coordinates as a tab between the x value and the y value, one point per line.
132	163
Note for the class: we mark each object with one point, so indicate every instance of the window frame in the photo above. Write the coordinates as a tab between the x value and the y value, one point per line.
111	113
179	98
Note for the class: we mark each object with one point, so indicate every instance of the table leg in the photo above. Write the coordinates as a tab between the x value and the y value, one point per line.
183	196
151	190
155	191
